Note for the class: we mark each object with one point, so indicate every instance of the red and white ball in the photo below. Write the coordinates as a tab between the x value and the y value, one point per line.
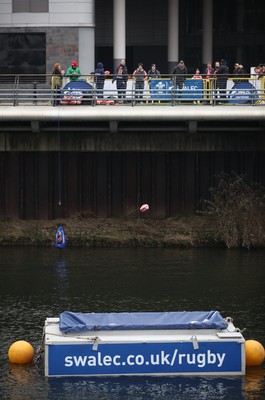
144	208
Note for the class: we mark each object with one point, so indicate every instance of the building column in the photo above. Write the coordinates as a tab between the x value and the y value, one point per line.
173	33
119	32
87	50
207	32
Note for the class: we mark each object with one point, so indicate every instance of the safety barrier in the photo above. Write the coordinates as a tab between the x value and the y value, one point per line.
17	90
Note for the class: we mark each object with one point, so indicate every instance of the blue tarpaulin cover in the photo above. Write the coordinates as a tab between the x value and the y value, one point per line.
71	322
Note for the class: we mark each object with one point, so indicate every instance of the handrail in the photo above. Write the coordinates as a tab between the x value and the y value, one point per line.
47	89
16	83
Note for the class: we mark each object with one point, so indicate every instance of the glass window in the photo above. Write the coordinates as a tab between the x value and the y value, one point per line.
254	16
34	6
23	53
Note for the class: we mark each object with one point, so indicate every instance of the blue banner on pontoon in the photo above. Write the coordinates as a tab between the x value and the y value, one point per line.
71	322
144	358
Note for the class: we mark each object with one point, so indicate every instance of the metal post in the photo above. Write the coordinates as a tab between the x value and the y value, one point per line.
35	92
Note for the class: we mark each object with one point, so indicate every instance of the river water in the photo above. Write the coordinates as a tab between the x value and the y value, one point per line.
39	283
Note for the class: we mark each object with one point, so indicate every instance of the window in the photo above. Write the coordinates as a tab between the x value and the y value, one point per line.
31	6
23	53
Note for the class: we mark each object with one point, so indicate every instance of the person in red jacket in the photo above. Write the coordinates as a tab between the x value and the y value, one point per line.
197	74
209	71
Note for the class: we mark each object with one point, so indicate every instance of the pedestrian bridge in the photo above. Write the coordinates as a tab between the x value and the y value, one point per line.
162	120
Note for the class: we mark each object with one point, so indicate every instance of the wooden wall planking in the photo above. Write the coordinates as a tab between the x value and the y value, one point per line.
115	184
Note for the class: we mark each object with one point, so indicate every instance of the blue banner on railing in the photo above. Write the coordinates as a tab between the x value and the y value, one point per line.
243	92
193	89
163	89
75	92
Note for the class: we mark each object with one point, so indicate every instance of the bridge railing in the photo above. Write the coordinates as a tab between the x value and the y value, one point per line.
22	90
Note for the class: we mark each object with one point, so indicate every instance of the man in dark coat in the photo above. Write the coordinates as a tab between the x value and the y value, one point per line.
99	78
121	79
222	75
179	76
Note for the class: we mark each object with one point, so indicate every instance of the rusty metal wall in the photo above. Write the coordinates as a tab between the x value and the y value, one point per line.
45	185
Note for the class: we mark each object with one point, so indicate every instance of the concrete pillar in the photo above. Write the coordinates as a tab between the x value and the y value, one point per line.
173	33
86	50
207	32
119	32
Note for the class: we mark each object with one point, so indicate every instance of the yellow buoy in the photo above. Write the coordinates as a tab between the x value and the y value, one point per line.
21	352
255	353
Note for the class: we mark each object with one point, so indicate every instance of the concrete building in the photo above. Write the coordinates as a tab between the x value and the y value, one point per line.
34	34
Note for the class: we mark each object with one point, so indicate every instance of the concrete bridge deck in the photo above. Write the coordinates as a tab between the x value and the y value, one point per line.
136	113
139	128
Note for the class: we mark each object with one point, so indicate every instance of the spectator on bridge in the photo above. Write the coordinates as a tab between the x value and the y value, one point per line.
57	76
209	71
208	75
197	74
99	79
239	71
73	71
121	79
244	72
216	66
179	76
153	73
260	70
140	77
221	81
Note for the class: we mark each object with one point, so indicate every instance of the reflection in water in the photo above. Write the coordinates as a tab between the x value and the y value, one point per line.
21	382
137	388
254	382
19	373
61	274
37	283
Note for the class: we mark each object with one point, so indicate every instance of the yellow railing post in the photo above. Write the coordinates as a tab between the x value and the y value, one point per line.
207	89
262	87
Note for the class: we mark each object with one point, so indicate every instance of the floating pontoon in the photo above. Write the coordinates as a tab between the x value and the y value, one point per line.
143	343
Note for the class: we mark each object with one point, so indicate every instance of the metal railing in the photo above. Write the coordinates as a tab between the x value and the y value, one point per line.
17	90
